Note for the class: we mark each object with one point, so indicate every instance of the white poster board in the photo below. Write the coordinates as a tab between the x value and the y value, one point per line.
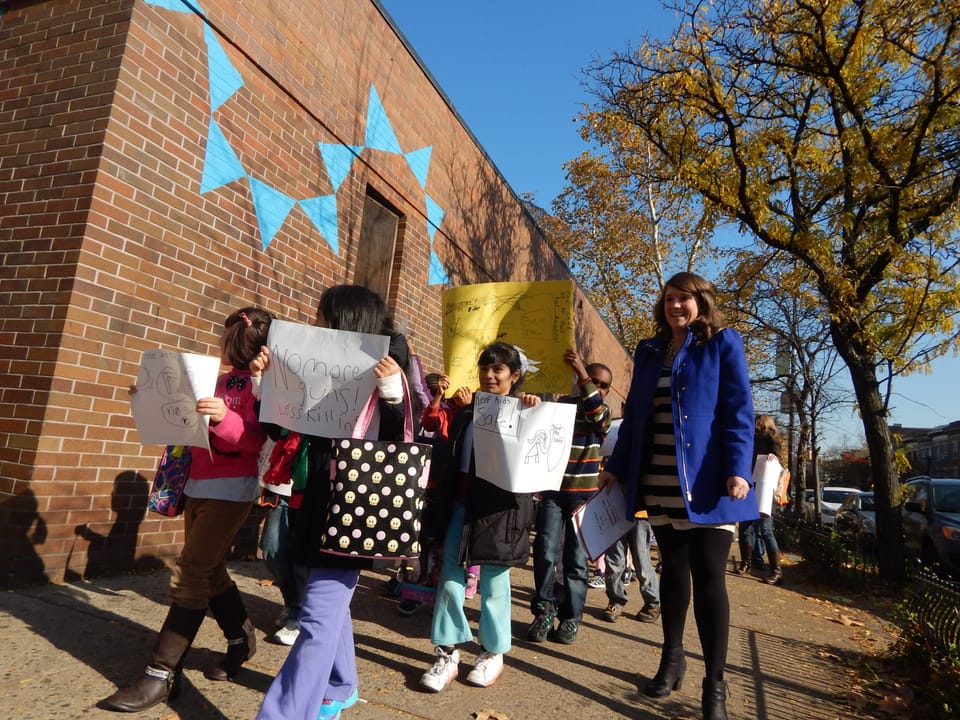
766	477
168	386
318	379
602	520
521	449
610	441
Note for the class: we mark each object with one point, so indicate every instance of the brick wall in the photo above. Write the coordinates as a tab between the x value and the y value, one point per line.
117	237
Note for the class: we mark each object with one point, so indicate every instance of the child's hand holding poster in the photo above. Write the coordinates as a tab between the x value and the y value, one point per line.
318	379
521	449
167	389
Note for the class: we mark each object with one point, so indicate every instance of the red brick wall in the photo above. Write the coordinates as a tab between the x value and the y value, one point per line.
110	247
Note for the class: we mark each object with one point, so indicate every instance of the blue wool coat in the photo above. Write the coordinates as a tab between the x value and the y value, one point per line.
712	421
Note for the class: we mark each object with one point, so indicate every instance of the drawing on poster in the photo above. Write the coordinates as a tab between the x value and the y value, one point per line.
319	378
536	316
168	386
522	449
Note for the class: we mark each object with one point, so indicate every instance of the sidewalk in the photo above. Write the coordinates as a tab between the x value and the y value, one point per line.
67	646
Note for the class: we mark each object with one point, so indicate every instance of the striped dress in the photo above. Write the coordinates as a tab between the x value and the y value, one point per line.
660	486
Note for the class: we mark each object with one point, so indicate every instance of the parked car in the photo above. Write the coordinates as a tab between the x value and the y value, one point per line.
931	522
830	500
856	515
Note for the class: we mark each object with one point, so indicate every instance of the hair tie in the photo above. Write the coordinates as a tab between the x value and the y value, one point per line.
246	321
526	364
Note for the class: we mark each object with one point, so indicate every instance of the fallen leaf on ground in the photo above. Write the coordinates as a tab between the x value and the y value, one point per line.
490	715
849	622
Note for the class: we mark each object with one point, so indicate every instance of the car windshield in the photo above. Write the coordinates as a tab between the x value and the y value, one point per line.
946	498
866	502
834	496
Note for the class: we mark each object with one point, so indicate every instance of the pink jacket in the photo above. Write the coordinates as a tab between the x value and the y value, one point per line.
234	441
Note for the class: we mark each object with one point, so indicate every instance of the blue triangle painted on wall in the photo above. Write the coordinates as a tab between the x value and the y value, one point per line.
225	80
177	6
438	275
379	134
435	215
322	212
272	208
338	160
220	163
419	161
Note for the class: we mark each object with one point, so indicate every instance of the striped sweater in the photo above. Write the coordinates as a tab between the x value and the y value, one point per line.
590	428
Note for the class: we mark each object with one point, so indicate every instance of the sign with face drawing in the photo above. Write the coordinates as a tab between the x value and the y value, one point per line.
521	449
167	389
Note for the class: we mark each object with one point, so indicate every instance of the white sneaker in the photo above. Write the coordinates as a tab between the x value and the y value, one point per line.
288	634
486	670
443	672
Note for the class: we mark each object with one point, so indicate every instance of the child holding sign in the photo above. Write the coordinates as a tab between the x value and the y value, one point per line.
221	489
490	524
319	677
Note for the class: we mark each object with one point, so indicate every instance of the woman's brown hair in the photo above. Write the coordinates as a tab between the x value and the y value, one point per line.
709	318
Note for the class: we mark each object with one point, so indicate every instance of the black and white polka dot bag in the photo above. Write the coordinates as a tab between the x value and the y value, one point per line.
377	492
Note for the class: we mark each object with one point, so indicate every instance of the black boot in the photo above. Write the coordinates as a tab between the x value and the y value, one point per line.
160	681
714	700
669	675
743	567
228	610
776	573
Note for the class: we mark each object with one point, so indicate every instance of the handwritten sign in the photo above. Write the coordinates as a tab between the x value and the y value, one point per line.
168	386
536	316
602	520
319	379
521	449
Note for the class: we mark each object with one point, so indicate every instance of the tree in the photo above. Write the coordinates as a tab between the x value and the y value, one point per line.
830	131
787	335
620	232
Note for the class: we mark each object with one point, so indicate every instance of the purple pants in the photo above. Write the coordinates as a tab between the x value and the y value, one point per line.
321	664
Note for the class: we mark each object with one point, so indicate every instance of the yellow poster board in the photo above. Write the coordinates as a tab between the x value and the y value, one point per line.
535	316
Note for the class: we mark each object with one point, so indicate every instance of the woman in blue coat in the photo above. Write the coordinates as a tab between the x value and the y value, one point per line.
685	455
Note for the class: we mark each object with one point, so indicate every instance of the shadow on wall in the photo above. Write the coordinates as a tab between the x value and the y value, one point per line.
116	550
21	530
491	215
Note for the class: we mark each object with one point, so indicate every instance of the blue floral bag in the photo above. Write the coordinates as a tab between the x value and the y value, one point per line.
166	495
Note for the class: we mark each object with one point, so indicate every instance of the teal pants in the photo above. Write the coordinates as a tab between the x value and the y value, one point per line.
450	625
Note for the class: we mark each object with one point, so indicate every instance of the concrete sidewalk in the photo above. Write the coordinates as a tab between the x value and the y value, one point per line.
67	646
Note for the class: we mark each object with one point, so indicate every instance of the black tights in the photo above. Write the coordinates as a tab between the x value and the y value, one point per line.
700	554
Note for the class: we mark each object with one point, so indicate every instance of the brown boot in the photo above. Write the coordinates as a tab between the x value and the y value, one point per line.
776	573
159	680
743	567
231	616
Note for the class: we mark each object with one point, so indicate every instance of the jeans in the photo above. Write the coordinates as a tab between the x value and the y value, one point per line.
638	540
276	542
555	530
449	625
756	531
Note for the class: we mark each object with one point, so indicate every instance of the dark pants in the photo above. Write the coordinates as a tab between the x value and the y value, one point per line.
276	542
699	555
555	530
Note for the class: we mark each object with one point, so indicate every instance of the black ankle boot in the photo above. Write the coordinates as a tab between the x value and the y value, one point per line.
239	650
714	700
669	676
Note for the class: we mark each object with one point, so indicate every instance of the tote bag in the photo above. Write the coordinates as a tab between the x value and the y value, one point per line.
166	493
377	491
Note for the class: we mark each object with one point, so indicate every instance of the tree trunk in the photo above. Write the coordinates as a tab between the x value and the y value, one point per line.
883	468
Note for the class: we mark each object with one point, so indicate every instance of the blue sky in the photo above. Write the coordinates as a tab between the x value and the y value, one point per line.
514	69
